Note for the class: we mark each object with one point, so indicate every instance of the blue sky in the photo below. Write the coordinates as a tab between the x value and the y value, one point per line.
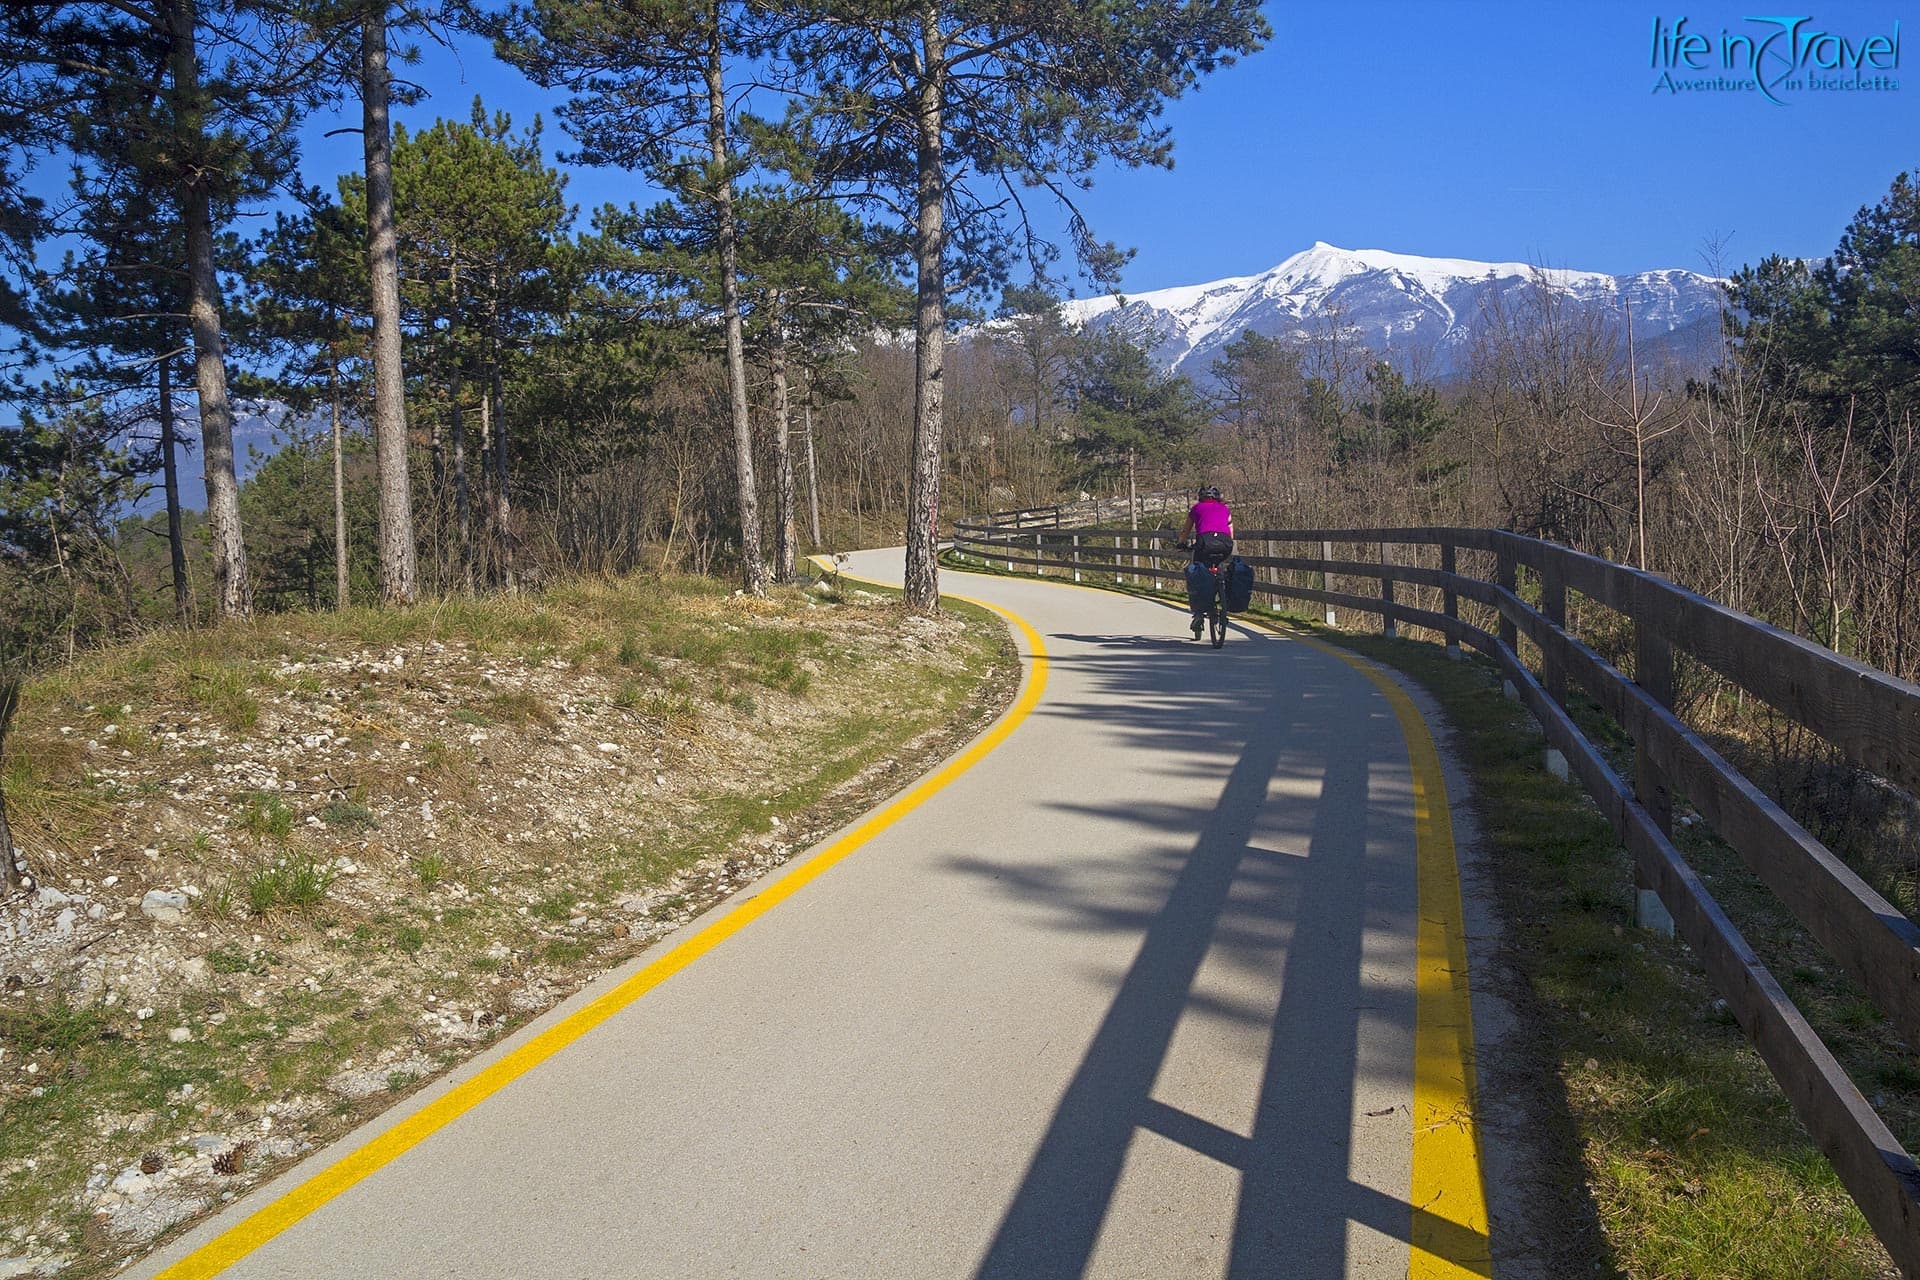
1451	128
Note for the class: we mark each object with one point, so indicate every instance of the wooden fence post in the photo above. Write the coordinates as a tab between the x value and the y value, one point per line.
1503	577
1449	599
1076	557
1553	672
1326	579
1387	627
1039	553
1553	603
1652	671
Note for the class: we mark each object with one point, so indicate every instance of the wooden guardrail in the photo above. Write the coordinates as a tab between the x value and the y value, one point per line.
1091	511
1872	718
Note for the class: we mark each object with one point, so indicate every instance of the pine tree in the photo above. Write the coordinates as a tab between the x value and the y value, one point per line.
1125	410
1869	285
308	305
650	85
481	218
399	569
116	305
1034	333
207	121
1396	418
951	112
27	132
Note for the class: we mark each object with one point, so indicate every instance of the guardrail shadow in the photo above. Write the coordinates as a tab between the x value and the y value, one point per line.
1305	855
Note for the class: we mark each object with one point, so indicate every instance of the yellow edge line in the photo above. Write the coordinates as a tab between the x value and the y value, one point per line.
1449	1234
270	1220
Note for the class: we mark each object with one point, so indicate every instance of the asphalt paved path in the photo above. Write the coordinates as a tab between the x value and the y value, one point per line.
1132	997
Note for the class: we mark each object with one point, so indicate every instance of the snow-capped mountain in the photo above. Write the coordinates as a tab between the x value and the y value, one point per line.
1420	311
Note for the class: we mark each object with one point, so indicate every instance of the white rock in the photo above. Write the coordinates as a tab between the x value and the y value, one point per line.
110	881
179	1035
165	907
49	897
143	1014
63	925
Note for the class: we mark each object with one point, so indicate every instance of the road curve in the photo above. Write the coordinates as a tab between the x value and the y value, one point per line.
1134	995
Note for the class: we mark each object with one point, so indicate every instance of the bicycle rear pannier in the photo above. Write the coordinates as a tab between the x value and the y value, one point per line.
1239	585
1199	587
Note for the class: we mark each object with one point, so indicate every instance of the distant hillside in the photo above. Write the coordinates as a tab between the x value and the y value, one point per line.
261	428
1419	311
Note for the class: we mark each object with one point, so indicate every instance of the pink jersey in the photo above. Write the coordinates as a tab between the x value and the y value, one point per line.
1212	516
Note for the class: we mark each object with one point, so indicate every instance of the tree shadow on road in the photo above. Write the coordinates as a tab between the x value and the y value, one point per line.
1303	853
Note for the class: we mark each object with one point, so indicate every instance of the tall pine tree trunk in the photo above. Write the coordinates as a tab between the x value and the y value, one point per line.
752	562
399	574
813	471
462	502
437	461
203	318
930	325
462	510
502	469
10	876
783	529
170	477
342	589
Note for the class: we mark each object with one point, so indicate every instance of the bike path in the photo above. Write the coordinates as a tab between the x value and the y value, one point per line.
1136	993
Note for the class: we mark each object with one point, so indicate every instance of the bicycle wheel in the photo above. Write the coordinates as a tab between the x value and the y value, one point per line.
1219	618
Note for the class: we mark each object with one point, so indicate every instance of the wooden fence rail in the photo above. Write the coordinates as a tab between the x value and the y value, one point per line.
1872	718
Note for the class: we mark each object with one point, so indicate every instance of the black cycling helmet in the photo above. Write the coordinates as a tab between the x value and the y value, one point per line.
1210	491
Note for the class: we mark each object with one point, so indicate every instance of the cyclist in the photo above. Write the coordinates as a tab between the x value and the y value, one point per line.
1210	527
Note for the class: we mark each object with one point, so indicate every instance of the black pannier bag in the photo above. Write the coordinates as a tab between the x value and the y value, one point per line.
1239	585
1199	587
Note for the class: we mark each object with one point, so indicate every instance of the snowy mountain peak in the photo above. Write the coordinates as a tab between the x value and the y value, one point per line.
1396	303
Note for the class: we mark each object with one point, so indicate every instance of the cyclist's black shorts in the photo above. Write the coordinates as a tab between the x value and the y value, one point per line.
1212	548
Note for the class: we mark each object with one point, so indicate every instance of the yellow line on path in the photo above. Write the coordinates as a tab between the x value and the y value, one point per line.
270	1220
1450	1234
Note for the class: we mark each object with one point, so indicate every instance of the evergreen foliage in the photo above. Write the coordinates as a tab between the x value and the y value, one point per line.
1125	409
948	115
